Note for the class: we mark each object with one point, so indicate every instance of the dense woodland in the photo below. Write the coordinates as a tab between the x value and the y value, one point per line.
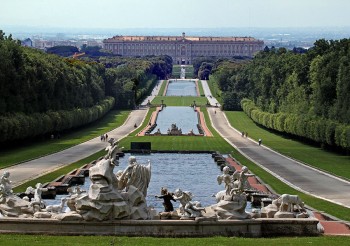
304	93
44	93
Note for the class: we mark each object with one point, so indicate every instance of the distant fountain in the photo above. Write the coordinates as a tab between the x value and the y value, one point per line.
183	73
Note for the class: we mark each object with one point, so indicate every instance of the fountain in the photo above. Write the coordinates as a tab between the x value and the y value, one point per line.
117	204
183	72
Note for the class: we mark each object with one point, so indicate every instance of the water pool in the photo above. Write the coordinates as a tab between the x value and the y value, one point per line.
190	172
181	88
184	117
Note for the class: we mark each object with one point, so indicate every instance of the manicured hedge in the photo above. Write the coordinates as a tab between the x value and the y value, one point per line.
19	125
319	130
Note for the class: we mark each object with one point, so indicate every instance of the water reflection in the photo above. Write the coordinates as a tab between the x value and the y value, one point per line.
184	117
181	88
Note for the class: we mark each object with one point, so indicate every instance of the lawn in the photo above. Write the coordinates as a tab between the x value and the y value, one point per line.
181	143
23	153
38	240
329	161
179	101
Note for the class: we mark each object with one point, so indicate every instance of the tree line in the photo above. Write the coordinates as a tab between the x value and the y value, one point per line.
46	89
308	87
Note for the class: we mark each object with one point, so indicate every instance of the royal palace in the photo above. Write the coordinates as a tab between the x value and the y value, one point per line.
183	49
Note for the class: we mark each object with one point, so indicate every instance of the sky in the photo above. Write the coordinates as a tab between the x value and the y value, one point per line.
174	13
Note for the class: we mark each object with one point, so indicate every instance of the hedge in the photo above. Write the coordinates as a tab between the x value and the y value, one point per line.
320	130
19	125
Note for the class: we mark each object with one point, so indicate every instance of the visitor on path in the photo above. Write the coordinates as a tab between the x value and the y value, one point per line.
135	125
106	137
215	111
102	138
246	134
260	141
243	134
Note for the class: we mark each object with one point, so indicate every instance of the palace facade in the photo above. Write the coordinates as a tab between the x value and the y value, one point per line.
183	49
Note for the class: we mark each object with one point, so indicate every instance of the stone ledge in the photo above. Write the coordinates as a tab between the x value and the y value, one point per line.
163	228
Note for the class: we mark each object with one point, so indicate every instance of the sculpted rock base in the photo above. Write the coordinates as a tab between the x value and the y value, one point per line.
69	216
42	215
233	208
13	206
284	215
269	211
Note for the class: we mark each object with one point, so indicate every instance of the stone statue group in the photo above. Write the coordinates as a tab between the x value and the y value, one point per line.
123	196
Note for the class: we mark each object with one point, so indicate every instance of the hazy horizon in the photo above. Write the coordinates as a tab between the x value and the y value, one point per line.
142	14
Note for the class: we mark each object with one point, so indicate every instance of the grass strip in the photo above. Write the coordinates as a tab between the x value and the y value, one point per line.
43	240
328	161
112	120
162	88
179	101
200	87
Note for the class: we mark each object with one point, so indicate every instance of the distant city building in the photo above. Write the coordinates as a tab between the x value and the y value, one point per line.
27	42
183	49
45	44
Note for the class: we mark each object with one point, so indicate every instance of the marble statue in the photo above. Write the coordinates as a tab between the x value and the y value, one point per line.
286	203
227	179
112	196
57	208
136	175
37	202
5	185
241	179
112	151
231	202
10	204
188	208
284	207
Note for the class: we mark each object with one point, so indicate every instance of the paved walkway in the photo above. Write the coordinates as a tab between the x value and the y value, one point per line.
295	174
212	100
35	168
154	93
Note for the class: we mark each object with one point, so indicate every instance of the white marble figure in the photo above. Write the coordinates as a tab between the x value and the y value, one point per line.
286	202
136	175
110	196
113	150
241	182
231	202
227	179
5	185
37	202
188	208
57	208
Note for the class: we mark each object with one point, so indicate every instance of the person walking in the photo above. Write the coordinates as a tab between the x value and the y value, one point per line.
260	141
